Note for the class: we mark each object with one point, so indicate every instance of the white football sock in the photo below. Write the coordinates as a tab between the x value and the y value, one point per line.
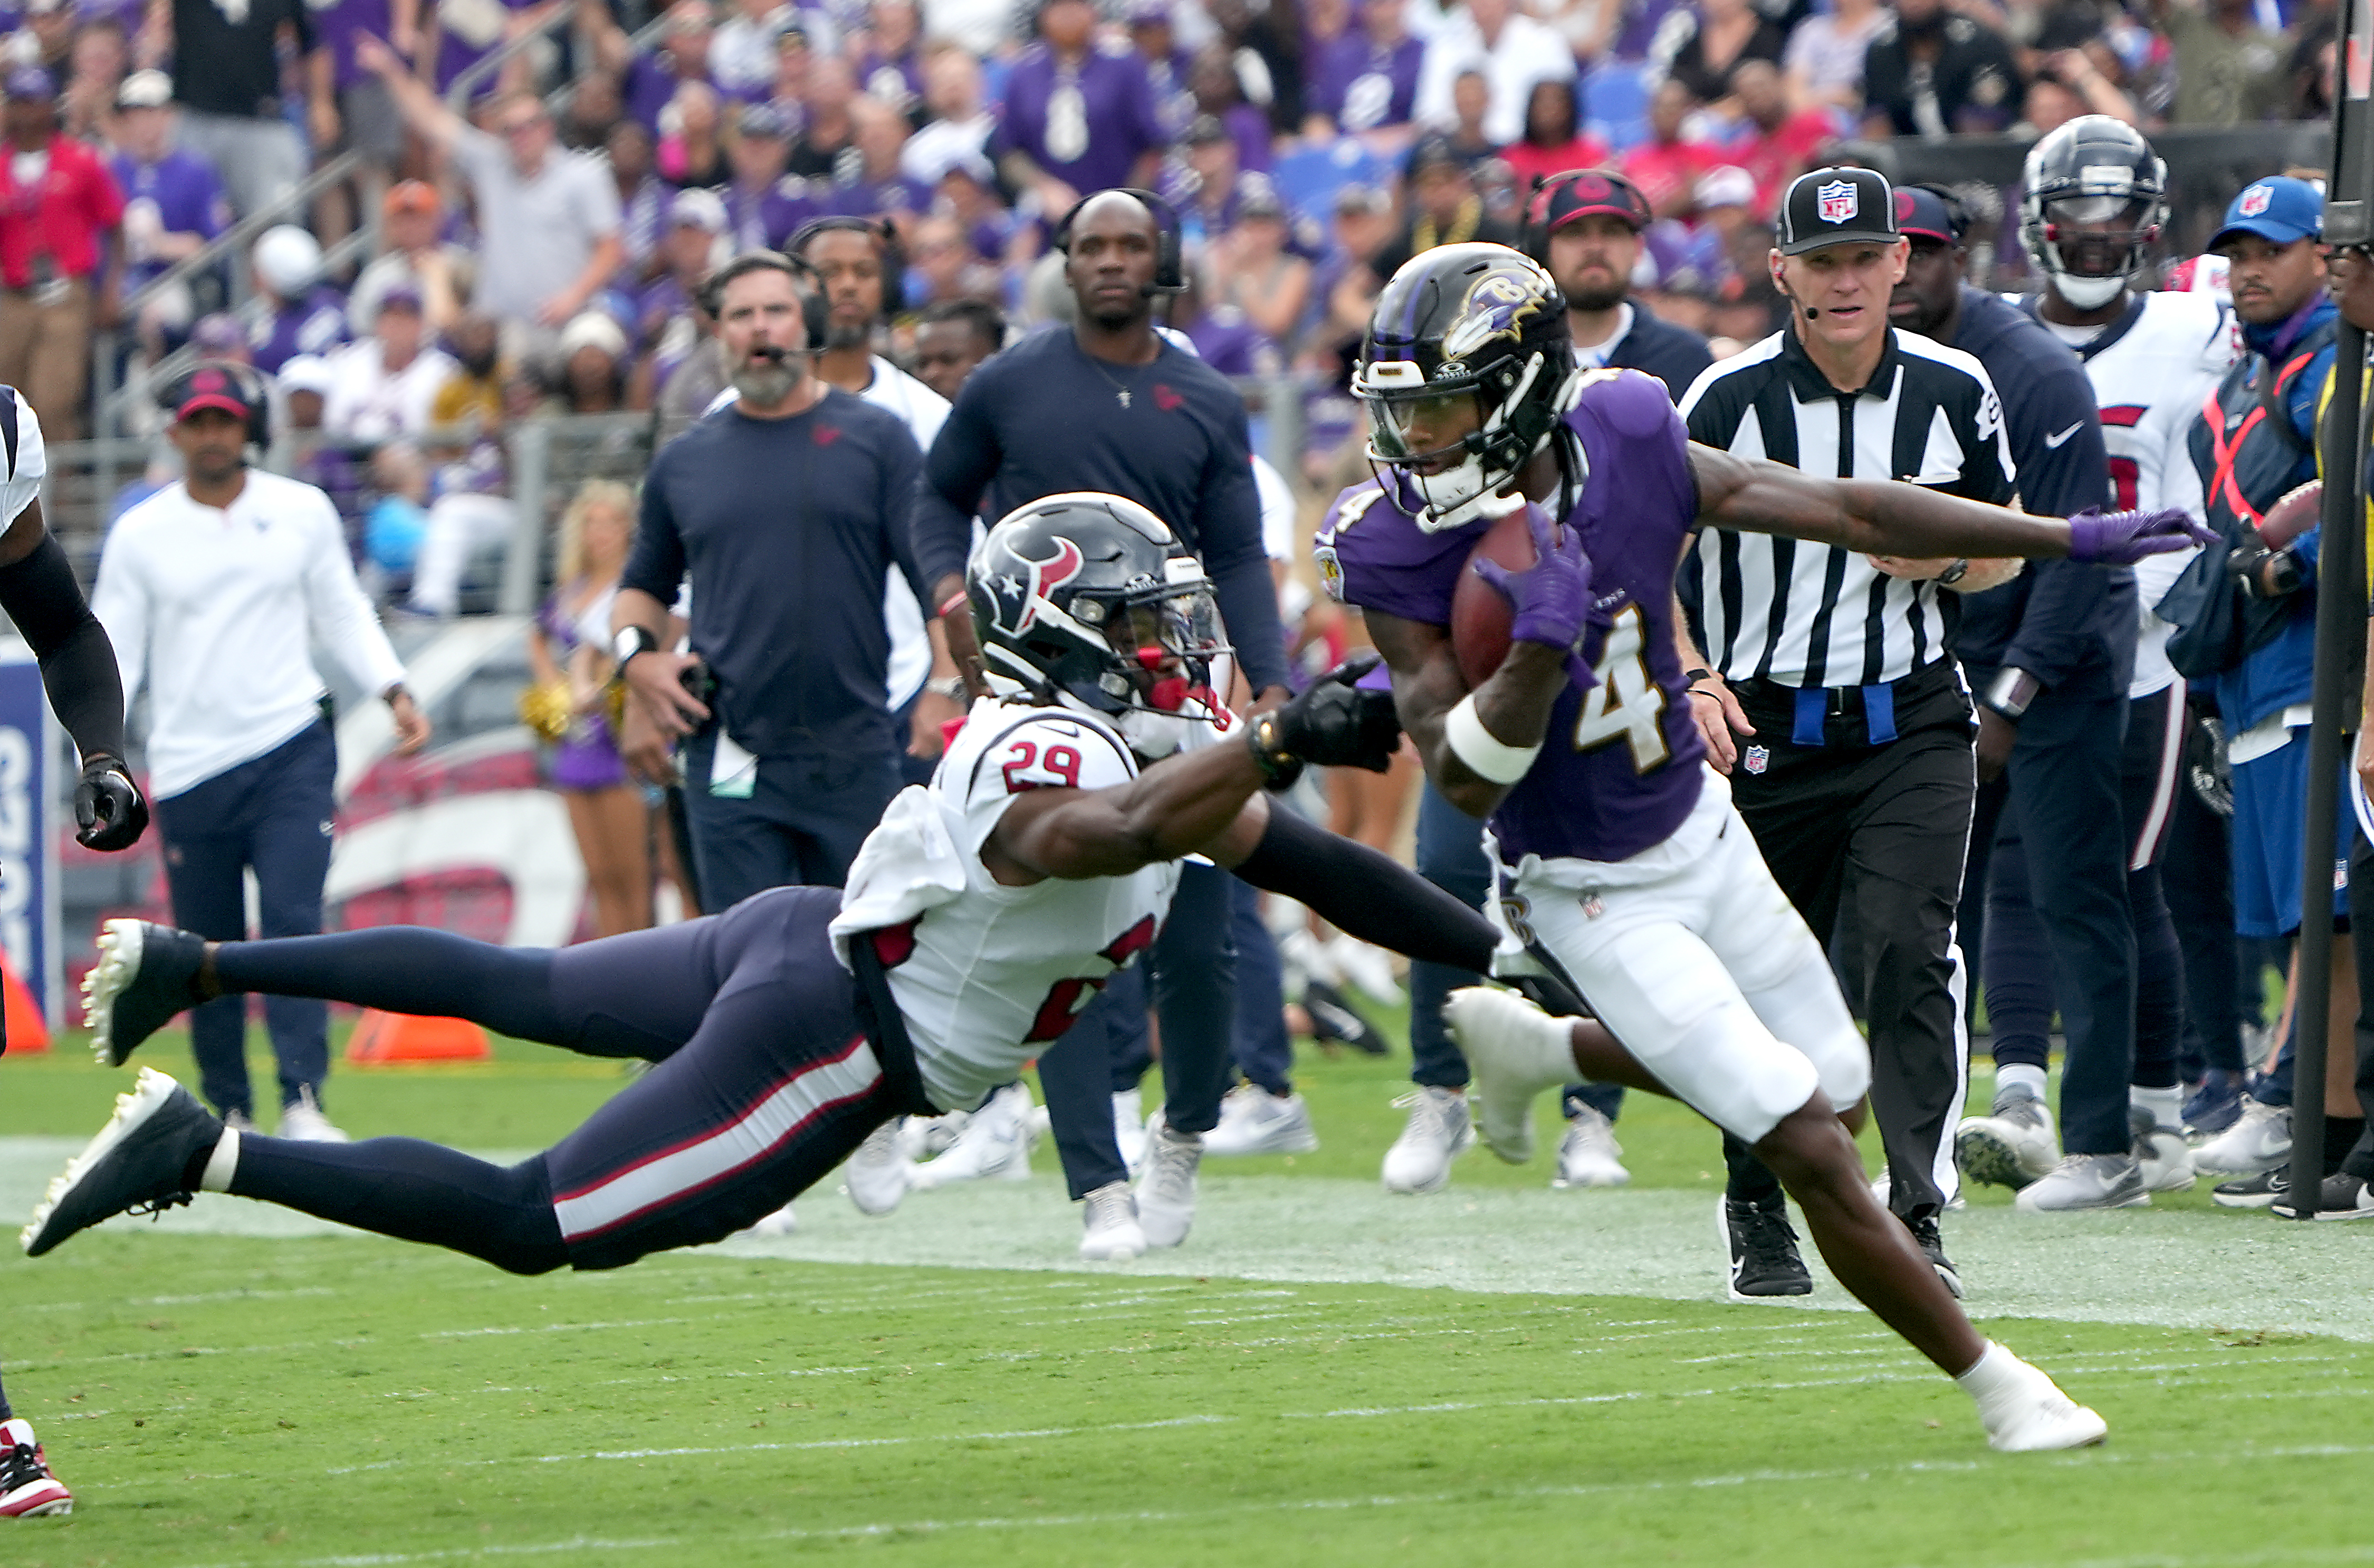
2020	1075
221	1163
2165	1105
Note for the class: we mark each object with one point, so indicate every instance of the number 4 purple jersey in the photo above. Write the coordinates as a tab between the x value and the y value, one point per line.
1620	769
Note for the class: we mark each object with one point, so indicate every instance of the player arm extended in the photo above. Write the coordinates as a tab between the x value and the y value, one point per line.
1887	517
1514	702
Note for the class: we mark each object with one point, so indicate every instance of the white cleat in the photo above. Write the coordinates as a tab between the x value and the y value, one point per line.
1129	1129
1368	969
2161	1154
782	1222
2011	1146
876	1178
1589	1155
2260	1141
1166	1193
928	1137
2085	1180
994	1145
1437	1132
2023	1411
1515	1050
304	1123
1254	1121
1112	1234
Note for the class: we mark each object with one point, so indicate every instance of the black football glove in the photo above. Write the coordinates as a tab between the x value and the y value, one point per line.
109	810
1336	722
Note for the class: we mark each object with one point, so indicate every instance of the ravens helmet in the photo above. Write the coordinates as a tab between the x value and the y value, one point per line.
1089	601
1474	321
2095	198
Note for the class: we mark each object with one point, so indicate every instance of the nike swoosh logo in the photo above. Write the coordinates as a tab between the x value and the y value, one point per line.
2052	443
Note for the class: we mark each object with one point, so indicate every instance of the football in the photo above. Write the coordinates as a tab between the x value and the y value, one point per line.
2294	514
1480	615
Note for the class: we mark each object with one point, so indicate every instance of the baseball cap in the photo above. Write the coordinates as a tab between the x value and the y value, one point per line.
411	195
145	90
698	209
30	82
1357	200
401	295
306	373
762	120
209	386
1923	214
1257	197
220	333
1567	197
1149	13
2278	209
1429	151
1206	129
1726	184
1836	206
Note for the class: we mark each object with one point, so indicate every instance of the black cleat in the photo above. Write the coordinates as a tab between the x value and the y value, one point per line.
1926	1236
1764	1259
135	1166
145	975
1332	1017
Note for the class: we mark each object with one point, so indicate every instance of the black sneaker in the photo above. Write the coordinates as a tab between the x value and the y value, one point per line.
145	975
1763	1250
1334	1018
2253	1192
1926	1236
2342	1197
137	1164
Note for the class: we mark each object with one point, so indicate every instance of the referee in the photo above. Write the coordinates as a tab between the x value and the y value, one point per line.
1853	766
1111	405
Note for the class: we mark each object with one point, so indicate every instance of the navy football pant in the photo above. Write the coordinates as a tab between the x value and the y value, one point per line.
1264	1052
270	815
2197	875
800	827
763	1081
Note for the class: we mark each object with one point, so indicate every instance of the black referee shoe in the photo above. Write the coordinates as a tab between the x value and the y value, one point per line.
1763	1249
1932	1243
139	1163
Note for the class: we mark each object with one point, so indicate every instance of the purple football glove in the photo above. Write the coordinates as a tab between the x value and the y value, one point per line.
2121	538
1551	597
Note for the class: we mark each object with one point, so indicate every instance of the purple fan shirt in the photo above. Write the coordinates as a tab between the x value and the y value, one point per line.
336	26
456	53
762	220
898	83
315	324
1167	77
650	83
1085	127
187	197
1602	789
876	198
1361	85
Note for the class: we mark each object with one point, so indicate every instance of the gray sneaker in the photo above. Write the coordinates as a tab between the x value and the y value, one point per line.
2086	1181
2012	1145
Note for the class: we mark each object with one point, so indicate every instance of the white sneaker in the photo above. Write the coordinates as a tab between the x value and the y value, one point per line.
928	1137
1515	1050
2086	1181
1589	1155
2012	1145
876	1178
1304	956
1129	1129
1113	1233
2023	1411
1166	1193
2260	1140
303	1122
2161	1153
994	1145
1437	1132
1368	970
1254	1121
782	1222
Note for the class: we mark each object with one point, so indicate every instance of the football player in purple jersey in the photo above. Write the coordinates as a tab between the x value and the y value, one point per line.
1621	866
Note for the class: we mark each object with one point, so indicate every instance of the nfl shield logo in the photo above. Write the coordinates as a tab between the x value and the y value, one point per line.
1758	759
2255	200
1837	199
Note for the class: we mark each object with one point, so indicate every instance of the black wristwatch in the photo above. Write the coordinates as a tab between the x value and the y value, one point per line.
629	640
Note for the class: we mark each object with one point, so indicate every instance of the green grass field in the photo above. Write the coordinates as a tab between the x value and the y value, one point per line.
1322	1375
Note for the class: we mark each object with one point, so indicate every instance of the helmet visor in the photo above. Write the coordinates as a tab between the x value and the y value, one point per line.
2098	236
1164	643
1424	426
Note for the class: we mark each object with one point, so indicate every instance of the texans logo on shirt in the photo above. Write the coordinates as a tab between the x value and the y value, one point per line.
1166	400
1020	597
827	434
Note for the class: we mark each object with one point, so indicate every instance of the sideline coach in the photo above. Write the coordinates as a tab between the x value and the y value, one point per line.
786	509
1852	767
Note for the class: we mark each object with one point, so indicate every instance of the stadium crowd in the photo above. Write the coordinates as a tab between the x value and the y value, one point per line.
919	250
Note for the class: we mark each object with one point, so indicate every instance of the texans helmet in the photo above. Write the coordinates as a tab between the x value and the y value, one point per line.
1089	600
2095	199
1476	321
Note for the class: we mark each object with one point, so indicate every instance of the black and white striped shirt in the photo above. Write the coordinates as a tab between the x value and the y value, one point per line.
1810	615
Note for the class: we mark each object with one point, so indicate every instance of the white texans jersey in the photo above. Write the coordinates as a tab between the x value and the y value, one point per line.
986	976
2151	370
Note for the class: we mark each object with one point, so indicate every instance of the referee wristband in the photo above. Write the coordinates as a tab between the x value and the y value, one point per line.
1486	758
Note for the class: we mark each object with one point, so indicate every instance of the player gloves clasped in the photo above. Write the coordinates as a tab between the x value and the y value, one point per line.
109	811
1335	723
2121	538
1552	597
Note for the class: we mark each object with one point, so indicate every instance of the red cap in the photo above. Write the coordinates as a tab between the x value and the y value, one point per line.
210	388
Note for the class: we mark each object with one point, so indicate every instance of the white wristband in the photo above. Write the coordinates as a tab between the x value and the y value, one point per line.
1485	757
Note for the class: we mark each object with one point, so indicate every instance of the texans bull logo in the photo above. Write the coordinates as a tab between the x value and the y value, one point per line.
1019	596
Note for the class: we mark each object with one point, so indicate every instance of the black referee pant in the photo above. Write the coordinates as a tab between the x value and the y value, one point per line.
1868	843
2059	795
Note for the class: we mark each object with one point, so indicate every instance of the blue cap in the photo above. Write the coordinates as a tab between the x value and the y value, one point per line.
31	84
2278	209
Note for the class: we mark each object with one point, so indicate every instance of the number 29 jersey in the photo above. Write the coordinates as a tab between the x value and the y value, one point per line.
995	974
1619	771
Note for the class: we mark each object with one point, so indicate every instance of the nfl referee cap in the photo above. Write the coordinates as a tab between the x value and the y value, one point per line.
1836	206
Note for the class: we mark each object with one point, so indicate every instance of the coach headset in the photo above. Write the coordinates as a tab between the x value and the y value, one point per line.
894	262
213	375
1169	273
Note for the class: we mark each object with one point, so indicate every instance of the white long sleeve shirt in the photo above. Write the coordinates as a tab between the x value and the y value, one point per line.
216	610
